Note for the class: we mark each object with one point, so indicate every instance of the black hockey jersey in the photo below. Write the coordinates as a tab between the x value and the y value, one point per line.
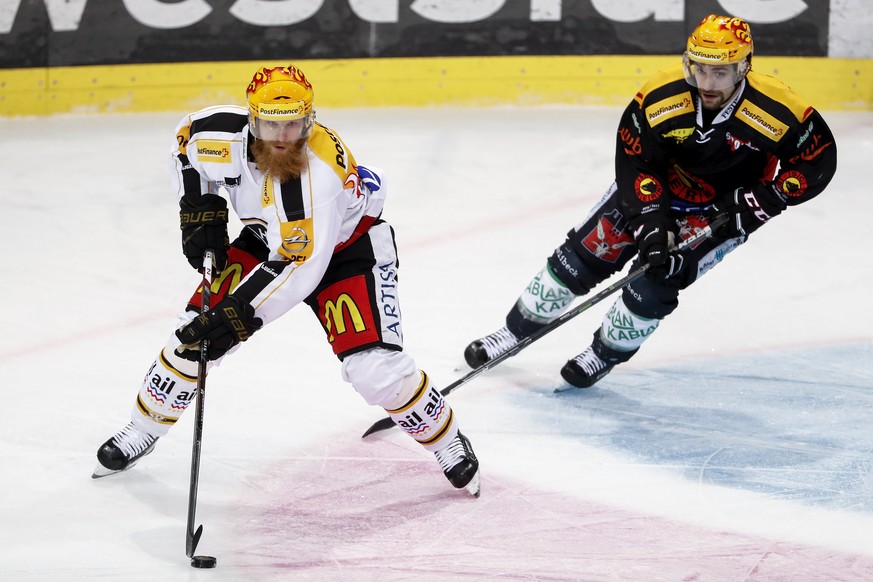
671	156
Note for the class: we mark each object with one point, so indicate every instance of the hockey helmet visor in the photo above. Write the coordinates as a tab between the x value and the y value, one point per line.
278	97
718	54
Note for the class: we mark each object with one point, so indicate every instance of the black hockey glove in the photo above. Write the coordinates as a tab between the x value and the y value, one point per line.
654	241
231	321
749	209
204	226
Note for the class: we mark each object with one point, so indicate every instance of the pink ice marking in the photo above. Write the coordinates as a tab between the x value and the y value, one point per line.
378	512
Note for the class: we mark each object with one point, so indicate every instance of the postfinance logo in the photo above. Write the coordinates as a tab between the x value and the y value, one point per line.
762	121
282	111
213	151
668	108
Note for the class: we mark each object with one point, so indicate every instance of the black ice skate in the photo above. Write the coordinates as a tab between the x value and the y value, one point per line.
586	369
489	347
460	465
123	451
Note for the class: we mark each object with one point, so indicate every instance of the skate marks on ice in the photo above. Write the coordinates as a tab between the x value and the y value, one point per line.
382	511
793	425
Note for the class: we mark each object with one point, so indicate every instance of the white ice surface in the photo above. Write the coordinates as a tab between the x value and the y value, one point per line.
737	445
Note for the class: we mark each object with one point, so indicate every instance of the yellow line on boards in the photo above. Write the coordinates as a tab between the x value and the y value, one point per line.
828	84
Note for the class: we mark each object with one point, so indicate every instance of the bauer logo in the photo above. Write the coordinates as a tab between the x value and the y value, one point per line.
213	151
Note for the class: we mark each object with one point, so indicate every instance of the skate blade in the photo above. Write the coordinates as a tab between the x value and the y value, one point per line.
568	388
100	471
473	487
462	366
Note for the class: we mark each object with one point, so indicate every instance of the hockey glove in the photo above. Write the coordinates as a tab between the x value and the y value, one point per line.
654	241
231	321
749	209
204	226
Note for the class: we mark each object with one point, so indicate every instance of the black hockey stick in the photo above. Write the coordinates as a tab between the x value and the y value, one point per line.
706	232
192	537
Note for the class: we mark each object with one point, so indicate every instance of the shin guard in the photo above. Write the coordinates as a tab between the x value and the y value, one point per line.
168	388
427	416
544	298
623	330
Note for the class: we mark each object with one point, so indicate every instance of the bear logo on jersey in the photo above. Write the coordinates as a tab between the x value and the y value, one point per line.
647	188
792	183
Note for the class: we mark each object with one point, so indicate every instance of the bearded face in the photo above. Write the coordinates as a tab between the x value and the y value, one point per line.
282	159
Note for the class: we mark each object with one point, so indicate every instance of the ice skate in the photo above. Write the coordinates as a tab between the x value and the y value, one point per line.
489	347
123	451
460	465
586	369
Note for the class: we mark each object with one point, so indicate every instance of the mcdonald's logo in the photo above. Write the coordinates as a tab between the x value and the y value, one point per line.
227	279
234	271
335	316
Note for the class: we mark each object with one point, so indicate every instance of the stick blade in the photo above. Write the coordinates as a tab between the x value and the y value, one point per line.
192	541
377	426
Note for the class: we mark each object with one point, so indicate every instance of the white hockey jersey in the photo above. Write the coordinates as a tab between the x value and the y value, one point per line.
302	221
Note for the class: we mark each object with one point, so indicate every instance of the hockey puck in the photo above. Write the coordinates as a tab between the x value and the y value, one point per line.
203	561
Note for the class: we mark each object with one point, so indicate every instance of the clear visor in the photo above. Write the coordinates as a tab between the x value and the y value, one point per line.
710	77
280	130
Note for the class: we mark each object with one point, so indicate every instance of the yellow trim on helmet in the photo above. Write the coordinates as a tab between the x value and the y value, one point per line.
720	40
280	94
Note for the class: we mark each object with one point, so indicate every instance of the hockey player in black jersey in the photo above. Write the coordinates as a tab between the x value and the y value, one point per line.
707	137
312	234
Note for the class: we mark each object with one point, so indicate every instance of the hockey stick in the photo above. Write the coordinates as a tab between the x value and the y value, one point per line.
192	537
705	232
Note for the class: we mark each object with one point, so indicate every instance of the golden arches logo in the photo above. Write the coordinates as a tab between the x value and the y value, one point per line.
234	272
334	316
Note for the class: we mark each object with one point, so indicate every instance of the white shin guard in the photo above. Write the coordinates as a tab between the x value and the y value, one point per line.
624	330
390	379
168	388
544	298
426	416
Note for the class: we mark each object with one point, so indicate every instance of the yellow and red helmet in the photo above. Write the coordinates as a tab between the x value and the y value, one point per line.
717	41
280	94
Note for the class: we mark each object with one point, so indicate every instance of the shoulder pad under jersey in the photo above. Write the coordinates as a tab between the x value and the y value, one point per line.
216	139
328	147
665	96
779	91
225	119
658	80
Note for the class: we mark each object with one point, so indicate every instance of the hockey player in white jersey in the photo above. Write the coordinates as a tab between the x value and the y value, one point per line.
312	233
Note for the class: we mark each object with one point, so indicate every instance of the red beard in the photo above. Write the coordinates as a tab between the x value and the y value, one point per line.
286	163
